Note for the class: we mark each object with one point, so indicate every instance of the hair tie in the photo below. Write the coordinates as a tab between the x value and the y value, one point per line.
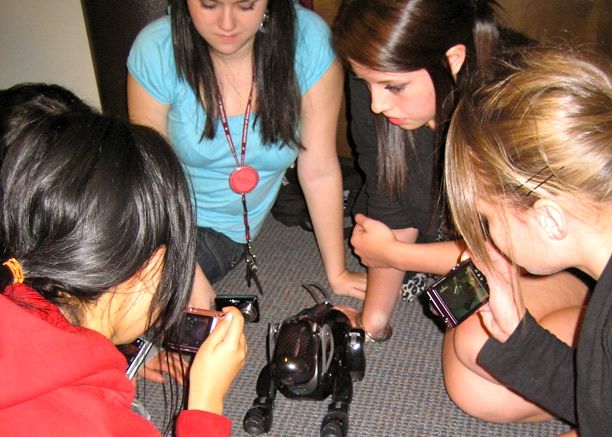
13	265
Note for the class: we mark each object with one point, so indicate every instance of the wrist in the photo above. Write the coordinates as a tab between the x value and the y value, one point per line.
509	326
393	257
334	273
200	400
513	325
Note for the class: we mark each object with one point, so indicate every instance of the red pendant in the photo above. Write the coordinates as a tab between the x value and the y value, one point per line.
243	179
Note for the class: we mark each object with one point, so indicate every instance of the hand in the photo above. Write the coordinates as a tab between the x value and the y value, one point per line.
371	240
505	309
348	312
171	363
351	284
217	363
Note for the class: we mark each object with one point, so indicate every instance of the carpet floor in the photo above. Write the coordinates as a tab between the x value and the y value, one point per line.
402	393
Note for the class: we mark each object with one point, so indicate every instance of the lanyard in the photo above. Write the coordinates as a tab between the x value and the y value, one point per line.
242	181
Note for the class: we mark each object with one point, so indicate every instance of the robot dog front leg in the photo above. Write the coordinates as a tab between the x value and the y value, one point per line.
336	421
258	419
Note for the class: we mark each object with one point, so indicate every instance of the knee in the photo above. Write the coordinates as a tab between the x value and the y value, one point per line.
473	389
467	341
464	379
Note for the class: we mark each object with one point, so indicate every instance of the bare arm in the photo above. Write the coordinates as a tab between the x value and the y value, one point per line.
384	284
321	180
217	363
145	109
377	246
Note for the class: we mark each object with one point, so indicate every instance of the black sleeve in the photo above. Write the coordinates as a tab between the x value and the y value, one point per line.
537	365
412	209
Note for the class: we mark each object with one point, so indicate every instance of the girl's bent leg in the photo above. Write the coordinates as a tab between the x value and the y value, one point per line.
202	292
557	302
383	290
217	254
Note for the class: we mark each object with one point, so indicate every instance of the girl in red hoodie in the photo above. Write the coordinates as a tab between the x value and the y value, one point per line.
98	229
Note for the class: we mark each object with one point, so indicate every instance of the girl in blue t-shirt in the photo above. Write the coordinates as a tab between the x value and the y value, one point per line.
242	89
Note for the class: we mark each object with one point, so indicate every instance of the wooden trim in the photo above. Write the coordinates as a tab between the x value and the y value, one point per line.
307	3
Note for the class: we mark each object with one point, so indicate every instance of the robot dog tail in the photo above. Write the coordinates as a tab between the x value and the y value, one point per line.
312	287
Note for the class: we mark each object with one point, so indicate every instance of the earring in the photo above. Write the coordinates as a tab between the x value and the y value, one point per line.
263	26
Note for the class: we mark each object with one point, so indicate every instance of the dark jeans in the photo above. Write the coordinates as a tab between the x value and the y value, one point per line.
217	254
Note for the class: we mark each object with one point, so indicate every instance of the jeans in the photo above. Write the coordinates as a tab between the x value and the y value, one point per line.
217	254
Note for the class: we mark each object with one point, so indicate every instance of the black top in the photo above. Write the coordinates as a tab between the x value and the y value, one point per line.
413	208
573	385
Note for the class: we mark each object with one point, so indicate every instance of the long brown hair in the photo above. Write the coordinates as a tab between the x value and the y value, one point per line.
278	93
402	36
542	128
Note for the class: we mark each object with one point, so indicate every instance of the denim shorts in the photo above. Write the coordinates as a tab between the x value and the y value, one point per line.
217	254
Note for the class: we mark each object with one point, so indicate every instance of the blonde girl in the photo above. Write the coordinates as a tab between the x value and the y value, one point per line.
528	173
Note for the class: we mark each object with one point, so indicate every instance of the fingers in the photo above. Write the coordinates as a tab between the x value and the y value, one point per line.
229	328
358	231
236	324
243	344
177	366
487	320
360	218
165	362
220	331
349	312
152	375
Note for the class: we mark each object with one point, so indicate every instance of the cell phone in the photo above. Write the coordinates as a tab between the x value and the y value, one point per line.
195	327
135	354
248	304
459	293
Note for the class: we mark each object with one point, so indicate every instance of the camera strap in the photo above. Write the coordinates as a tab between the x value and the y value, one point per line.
251	261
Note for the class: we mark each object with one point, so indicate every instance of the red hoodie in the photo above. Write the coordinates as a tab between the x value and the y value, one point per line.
57	379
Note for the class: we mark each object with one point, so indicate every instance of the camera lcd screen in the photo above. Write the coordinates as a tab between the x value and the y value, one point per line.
196	328
463	293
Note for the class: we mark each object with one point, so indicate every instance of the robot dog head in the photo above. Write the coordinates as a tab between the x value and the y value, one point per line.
301	352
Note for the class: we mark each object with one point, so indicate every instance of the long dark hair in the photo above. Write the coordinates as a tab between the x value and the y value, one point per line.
25	103
278	94
86	200
409	35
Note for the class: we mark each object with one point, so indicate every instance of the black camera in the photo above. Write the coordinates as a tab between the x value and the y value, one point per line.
459	293
248	305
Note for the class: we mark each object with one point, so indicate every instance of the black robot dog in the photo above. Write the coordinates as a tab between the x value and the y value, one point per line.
311	355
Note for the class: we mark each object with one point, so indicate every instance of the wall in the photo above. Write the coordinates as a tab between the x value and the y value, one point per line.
586	22
328	10
46	41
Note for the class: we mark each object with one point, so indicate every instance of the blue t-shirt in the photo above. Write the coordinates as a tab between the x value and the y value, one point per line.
209	163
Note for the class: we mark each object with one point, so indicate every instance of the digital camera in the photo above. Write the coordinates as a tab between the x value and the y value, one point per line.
459	293
248	305
135	353
196	326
